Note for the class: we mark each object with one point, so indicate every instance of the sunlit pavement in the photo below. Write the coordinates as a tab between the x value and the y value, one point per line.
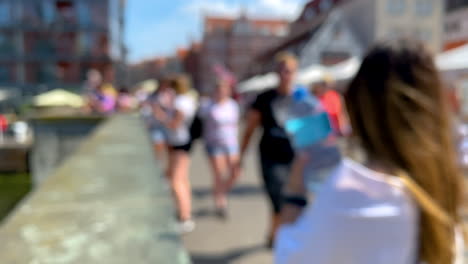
239	239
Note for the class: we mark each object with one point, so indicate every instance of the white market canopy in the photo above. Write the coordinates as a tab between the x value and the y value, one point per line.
452	60
311	74
307	76
259	83
345	70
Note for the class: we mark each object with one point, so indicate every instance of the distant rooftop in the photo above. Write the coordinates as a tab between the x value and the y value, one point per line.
227	24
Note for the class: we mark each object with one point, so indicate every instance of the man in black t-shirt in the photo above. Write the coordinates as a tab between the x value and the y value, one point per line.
276	153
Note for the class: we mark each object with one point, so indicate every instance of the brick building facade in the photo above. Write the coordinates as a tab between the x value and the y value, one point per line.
456	24
330	31
231	43
314	14
191	63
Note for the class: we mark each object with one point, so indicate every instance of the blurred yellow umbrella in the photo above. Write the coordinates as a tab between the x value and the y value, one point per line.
59	97
149	86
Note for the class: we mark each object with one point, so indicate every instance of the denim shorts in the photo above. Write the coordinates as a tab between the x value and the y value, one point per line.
159	135
217	150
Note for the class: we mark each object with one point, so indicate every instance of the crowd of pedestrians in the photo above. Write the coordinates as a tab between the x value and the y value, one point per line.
176	116
400	203
103	98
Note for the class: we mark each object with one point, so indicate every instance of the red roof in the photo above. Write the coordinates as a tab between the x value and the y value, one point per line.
182	53
269	23
218	22
196	46
226	23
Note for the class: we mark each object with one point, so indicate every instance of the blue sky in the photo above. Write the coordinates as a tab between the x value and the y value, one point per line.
158	27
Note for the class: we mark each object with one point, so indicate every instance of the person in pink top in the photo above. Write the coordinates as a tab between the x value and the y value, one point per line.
220	115
3	123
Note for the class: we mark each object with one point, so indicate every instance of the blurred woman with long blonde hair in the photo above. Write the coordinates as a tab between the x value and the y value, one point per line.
178	124
401	205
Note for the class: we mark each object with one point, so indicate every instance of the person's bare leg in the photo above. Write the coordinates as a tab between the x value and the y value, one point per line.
234	171
219	169
275	224
179	163
160	150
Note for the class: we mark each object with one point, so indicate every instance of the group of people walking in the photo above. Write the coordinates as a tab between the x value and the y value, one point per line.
177	116
102	97
399	204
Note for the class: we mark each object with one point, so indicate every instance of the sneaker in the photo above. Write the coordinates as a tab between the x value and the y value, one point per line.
222	213
270	243
185	227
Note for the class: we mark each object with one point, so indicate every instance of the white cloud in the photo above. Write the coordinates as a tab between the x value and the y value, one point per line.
278	8
200	7
162	37
263	8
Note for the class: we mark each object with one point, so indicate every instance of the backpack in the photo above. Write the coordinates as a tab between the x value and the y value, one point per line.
196	129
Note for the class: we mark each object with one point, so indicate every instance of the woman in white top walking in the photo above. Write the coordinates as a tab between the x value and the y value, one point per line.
178	124
402	205
220	115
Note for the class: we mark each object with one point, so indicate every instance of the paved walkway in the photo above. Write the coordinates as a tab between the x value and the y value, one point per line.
98	209
241	238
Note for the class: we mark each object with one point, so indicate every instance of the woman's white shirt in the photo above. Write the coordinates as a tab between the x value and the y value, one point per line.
359	217
187	106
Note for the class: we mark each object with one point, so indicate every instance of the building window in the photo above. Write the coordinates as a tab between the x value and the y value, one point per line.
93	44
424	7
67	72
265	31
65	43
6	44
38	44
455	4
37	13
310	14
48	12
5	13
6	73
99	14
282	31
394	32
46	73
65	11
452	27
84	13
325	5
242	28
396	7
44	47
87	42
424	35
